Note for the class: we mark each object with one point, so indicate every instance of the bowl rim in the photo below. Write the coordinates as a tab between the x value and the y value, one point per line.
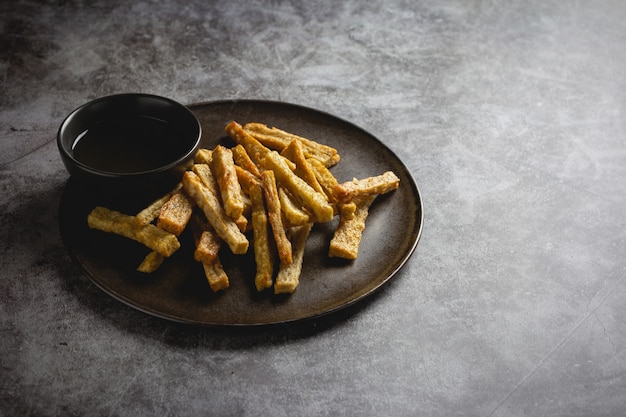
66	153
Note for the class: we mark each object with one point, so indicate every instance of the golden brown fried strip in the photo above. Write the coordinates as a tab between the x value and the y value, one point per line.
209	203
307	196
148	214
215	275
303	169
207	242
106	220
223	168
151	262
288	276
175	213
379	184
204	156
272	201
255	150
262	250
246	179
294	215
347	237
325	179
278	139
243	160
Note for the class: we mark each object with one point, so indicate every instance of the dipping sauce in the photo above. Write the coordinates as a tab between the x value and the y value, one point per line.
128	145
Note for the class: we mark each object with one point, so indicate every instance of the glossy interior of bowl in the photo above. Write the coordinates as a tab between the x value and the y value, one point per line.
128	140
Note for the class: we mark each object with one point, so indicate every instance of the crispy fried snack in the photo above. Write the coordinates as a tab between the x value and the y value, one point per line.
148	214
288	276
246	179
209	203
279	139
299	189
207	242
215	275
175	213
262	251
151	262
379	184
204	156
243	160
275	217
347	237
303	169
255	150
207	250
325	179
106	220
223	168
294	215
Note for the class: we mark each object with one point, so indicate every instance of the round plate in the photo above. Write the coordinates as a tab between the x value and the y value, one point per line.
178	290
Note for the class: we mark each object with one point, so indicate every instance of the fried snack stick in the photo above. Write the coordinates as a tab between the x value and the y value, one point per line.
288	276
215	275
203	171
255	150
325	179
204	156
207	242
275	217
379	184
303	169
243	160
309	198
294	215
148	214
278	139
223	168
207	249
106	220
347	237
151	262
262	251
175	213
207	200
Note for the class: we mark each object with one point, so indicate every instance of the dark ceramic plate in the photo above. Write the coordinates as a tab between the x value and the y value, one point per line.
178	290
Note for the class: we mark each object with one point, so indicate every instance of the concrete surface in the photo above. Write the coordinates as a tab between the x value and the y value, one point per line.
510	114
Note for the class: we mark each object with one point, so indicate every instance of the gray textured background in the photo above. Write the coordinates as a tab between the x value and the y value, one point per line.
510	114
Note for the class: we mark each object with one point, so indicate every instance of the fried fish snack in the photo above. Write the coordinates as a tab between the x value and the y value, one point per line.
288	276
148	214
209	203
263	255
274	215
347	237
111	221
294	215
255	150
299	189
325	179
175	213
151	262
223	168
204	156
215	275
242	159
379	184
278	139
207	242
303	169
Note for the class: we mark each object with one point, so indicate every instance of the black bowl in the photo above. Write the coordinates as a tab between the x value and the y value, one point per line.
129	143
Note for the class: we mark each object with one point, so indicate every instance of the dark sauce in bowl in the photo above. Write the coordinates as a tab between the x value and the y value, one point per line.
128	145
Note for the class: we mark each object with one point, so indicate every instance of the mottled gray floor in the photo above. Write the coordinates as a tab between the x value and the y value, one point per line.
510	115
